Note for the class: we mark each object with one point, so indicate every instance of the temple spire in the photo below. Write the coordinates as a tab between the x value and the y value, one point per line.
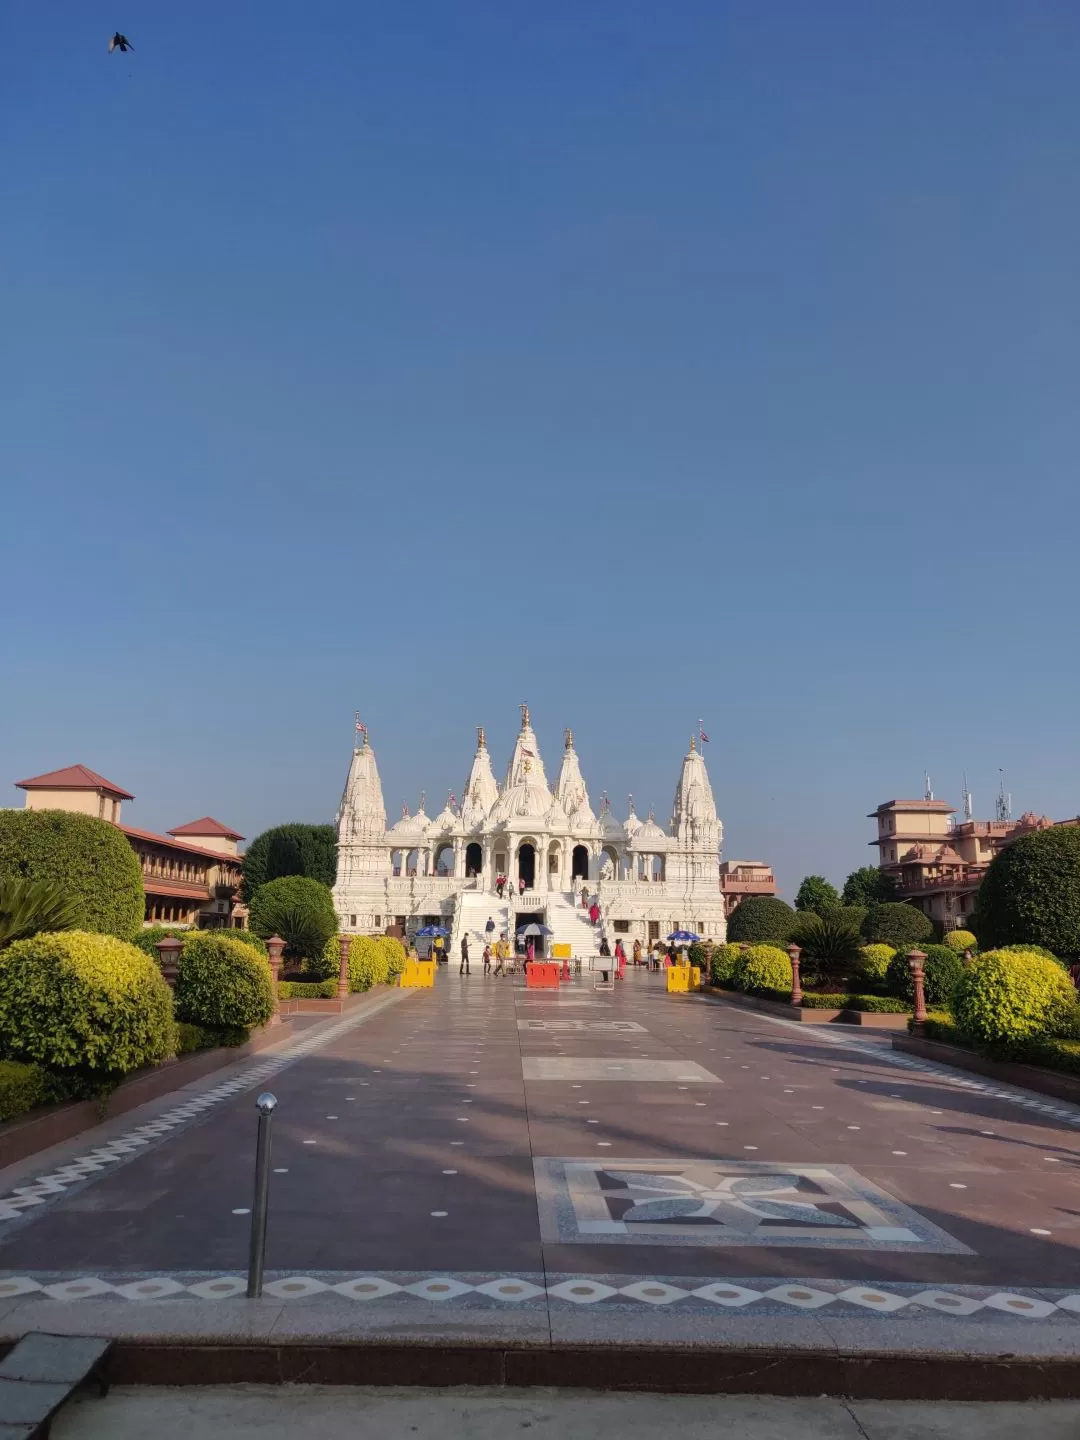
568	739
525	721
481	738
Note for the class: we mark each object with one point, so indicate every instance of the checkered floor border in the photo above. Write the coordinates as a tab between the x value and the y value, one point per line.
538	1291
16	1202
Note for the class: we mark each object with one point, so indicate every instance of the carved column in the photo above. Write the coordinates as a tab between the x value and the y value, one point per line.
168	951
343	966
274	946
916	960
796	979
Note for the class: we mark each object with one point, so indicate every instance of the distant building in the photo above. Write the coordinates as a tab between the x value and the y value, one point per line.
937	864
740	878
191	875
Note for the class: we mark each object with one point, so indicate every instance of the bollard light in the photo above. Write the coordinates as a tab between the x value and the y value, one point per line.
266	1104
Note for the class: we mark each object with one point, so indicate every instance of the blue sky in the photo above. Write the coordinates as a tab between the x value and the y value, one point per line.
641	361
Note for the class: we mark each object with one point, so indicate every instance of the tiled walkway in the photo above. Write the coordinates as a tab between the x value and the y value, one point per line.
505	1158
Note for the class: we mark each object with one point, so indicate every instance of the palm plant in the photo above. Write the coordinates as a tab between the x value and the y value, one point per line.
829	942
28	907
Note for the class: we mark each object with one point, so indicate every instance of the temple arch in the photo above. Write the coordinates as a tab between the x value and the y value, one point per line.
580	863
526	863
443	858
474	858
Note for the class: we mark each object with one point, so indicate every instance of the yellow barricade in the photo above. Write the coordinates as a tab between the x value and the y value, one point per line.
695	977
418	975
561	952
678	980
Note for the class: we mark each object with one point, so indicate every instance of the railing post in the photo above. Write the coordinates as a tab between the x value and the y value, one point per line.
916	960
274	946
796	980
168	950
343	966
266	1105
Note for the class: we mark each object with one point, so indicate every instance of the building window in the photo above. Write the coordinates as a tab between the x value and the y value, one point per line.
378	922
352	922
622	927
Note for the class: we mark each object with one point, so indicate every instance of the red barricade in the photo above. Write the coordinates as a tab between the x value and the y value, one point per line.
541	975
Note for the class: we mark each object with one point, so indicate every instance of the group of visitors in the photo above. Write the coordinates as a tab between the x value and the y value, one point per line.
502	884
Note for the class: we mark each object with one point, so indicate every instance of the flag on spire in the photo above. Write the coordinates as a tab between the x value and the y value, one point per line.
701	732
361	728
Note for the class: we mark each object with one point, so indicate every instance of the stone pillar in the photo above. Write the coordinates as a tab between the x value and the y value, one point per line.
796	979
916	960
168	950
274	946
343	967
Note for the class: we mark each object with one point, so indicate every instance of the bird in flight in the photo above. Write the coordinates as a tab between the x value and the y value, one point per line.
120	42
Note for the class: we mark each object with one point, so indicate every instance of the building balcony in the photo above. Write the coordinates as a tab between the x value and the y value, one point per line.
744	885
927	884
176	889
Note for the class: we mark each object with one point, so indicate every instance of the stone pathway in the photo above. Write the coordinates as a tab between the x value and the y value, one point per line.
482	1160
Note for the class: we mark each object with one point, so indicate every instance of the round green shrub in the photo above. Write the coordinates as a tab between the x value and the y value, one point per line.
761	918
147	938
368	962
77	999
723	963
309	850
874	961
221	982
897	924
1006	999
942	969
22	1088
960	940
764	968
90	860
1032	950
300	910
1031	893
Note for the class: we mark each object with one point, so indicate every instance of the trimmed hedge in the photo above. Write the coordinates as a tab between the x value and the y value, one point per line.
147	938
874	962
879	1004
373	960
722	964
1052	1052
764	968
1032	950
761	918
200	1037
302	912
897	924
221	982
1031	892
76	999
817	1000
960	940
22	1088
1005	999
90	860
308	850
942	970
301	990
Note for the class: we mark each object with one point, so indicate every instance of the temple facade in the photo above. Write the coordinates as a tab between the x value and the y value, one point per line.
648	881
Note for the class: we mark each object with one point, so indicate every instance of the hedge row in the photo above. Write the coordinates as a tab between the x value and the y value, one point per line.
302	990
373	960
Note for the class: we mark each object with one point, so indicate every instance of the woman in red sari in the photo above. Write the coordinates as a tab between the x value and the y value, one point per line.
620	959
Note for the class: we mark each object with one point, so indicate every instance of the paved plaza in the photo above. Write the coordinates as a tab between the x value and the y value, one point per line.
481	1161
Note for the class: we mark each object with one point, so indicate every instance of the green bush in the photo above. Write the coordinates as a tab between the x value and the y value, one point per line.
941	1026
222	982
301	990
394	951
147	938
960	940
896	924
1032	950
301	911
817	896
722	964
29	906
764	968
879	1004
88	860
80	1000
874	962
761	918
942	969
828	939
308	850
22	1088
821	1000
698	955
1031	893
868	886
190	1038
1007	999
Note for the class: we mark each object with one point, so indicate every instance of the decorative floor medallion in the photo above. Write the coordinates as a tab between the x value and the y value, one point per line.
607	1026
566	1067
726	1202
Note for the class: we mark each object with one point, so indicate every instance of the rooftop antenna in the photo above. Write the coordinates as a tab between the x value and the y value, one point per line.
929	788
967	799
1003	804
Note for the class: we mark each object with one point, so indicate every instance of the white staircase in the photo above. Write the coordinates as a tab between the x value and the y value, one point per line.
562	913
471	915
570	925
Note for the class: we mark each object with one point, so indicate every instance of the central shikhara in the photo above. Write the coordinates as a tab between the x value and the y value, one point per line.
647	881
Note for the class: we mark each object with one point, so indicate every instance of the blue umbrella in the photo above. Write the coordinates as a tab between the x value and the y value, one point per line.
683	937
535	930
429	931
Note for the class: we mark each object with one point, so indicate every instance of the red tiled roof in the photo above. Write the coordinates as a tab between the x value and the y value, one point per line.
73	777
207	826
135	834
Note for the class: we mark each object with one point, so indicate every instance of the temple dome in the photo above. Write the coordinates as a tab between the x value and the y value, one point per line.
631	825
444	821
648	834
525	801
413	827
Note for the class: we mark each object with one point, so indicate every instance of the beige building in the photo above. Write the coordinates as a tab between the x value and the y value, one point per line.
937	864
740	878
191	876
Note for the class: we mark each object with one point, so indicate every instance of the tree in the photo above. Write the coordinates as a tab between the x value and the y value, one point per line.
1031	893
88	860
300	910
868	886
309	850
816	894
761	917
896	924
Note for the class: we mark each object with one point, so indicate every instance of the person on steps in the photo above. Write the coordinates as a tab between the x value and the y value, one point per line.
463	968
